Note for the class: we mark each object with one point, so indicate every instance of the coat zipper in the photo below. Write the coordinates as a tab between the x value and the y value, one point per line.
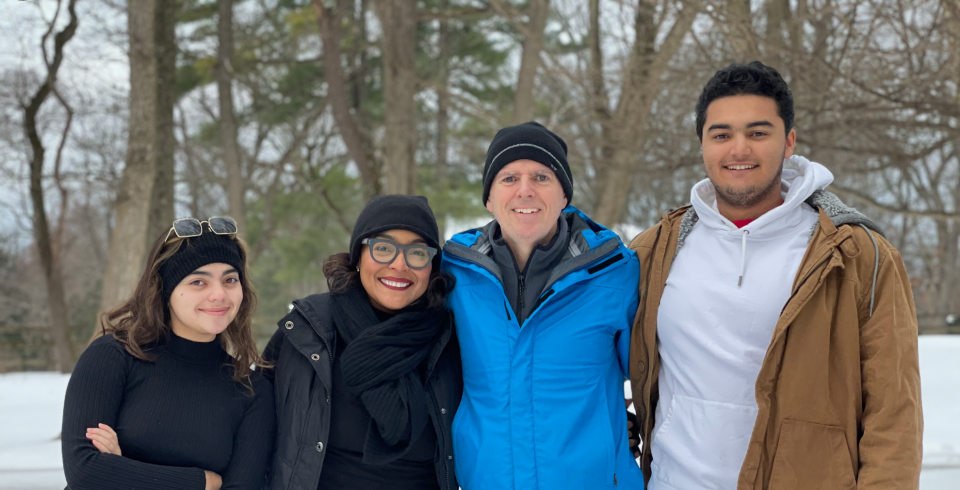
443	441
520	299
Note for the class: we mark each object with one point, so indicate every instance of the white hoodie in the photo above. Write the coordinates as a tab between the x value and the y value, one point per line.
722	300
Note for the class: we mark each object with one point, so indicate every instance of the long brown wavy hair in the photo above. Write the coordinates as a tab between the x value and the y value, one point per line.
144	319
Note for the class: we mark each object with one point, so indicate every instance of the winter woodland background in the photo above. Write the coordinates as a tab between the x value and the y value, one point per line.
116	117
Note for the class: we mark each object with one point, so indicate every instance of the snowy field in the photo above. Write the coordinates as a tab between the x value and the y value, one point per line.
31	406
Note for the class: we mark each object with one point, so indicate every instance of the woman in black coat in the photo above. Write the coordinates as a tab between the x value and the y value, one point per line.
367	378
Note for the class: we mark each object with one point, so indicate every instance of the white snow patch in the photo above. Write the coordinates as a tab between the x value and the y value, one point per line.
31	406
940	392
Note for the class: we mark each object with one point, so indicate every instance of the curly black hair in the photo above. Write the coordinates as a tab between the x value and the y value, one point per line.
754	78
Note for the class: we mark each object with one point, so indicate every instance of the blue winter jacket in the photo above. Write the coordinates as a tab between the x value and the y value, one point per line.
542	405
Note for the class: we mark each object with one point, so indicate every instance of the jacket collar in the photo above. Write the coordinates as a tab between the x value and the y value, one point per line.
589	241
585	234
836	212
543	258
316	310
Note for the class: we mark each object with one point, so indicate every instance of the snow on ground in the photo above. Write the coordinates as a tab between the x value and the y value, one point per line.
940	390
31	405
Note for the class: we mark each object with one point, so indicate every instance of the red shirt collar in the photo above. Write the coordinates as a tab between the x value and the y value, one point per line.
740	223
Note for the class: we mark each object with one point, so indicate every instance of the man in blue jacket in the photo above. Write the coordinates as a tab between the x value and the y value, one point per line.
544	302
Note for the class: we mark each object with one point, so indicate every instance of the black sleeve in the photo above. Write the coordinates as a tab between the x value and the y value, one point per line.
270	354
94	394
253	442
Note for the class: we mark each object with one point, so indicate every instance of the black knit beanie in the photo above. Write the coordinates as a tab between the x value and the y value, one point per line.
527	141
393	212
196	252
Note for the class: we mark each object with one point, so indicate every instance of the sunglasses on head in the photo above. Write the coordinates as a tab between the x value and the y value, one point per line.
191	227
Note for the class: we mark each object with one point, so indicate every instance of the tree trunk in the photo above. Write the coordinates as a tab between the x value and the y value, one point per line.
49	251
359	63
598	89
945	298
740	35
623	132
778	12
165	49
398	19
523	97
130	240
358	147
228	121
443	96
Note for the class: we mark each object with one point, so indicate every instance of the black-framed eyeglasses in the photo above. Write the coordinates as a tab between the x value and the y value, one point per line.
191	227
384	251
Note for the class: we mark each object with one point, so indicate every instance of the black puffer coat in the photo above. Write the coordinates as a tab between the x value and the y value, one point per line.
302	350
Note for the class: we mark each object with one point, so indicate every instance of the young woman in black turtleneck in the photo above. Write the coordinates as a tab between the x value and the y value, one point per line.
166	399
367	376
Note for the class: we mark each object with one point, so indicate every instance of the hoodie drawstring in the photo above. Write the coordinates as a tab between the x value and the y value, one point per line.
743	257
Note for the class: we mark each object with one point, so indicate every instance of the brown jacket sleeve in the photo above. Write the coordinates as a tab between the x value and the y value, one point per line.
890	447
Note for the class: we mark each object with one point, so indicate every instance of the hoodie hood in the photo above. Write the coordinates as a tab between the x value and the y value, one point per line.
799	180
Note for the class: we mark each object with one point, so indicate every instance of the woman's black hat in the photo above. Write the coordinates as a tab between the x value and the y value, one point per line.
392	212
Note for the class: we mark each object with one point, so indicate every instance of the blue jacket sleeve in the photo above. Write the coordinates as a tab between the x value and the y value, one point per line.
631	300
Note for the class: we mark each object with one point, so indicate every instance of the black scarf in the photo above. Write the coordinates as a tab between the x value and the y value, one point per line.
380	365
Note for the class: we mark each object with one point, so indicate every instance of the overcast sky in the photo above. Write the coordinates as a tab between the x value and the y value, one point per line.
94	67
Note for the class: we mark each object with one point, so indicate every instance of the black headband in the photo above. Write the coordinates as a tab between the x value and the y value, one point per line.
196	252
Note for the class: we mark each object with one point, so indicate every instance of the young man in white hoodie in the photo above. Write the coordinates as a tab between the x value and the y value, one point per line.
775	346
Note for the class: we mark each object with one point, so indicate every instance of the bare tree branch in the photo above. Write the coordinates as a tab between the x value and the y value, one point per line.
358	147
49	251
935	215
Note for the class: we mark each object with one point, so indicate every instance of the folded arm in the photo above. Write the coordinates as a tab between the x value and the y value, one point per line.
94	394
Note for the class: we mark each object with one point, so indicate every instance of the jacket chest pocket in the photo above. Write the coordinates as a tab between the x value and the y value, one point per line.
811	455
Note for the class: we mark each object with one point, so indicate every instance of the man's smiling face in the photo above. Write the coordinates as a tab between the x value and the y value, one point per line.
526	198
744	146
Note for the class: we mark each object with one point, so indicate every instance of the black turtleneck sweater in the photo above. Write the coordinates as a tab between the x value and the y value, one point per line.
174	417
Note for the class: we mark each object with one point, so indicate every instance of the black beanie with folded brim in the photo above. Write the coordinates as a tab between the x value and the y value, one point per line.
395	212
527	141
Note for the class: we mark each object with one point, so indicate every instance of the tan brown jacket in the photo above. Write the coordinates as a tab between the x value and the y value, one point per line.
839	389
